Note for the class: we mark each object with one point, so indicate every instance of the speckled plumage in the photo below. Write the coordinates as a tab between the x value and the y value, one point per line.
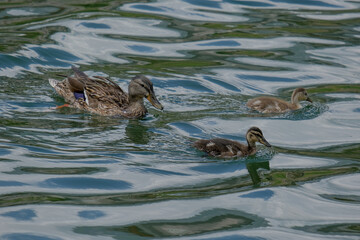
267	104
220	147
103	96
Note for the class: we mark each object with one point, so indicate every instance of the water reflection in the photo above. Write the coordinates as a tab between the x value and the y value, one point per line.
189	10
21	215
85	183
137	132
23	236
204	222
254	169
27	11
91	214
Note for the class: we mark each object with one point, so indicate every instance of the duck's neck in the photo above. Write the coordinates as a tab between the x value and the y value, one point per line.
136	104
295	100
251	146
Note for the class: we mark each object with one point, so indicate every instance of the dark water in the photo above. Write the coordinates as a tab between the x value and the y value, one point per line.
66	174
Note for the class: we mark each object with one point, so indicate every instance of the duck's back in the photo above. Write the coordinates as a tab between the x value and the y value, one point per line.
105	94
269	105
220	147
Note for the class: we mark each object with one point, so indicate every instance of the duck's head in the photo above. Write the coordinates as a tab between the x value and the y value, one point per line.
254	134
300	94
141	87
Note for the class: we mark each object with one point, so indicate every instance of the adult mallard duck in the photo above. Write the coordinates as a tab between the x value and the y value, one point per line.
103	96
220	147
275	105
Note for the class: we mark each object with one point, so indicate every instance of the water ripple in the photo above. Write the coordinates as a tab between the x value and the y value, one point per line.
88	176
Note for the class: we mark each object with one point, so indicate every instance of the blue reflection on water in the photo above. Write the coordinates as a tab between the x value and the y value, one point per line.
53	55
21	215
7	61
160	172
264	194
4	151
187	84
225	43
190	129
234	237
142	48
204	3
26	236
85	183
95	25
11	183
266	78
47	56
148	8
91	214
308	2
250	3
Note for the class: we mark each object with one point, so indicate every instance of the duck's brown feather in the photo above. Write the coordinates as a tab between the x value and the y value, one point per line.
220	147
103	96
270	104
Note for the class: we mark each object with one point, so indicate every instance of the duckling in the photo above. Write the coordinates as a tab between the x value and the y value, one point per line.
104	97
220	147
275	105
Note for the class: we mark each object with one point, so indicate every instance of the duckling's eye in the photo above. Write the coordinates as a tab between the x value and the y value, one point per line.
142	85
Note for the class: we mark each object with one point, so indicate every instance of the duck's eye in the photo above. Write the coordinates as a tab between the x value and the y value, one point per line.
142	85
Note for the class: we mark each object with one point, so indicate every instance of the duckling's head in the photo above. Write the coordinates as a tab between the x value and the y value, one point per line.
300	94
141	87
254	134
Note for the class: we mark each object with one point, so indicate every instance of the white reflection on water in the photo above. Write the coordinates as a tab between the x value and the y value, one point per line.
283	209
288	161
87	47
115	26
348	57
341	185
210	11
204	10
268	82
333	17
27	11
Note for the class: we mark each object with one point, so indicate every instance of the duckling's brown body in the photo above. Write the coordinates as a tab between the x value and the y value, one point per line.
220	147
275	105
104	97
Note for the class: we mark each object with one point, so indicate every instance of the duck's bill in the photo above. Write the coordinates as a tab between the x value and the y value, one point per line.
153	100
309	100
266	143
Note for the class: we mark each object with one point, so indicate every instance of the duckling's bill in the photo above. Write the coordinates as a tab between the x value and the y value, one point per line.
263	141
153	100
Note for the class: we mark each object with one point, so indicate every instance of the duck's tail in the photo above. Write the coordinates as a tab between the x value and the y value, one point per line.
53	82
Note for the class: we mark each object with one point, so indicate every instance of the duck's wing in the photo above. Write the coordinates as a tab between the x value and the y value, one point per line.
104	91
